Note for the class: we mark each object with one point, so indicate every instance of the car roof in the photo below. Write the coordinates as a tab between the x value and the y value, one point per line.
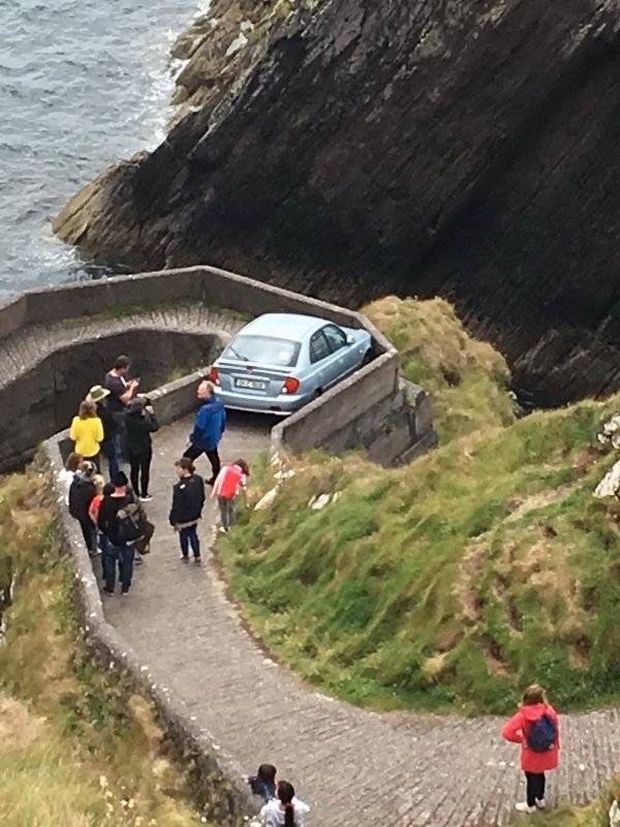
292	326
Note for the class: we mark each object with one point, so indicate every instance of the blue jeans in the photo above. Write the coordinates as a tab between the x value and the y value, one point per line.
188	536
123	557
112	451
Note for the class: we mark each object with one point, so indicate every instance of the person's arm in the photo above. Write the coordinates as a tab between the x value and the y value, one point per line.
217	485
173	507
151	419
223	421
128	395
102	518
513	729
73	432
98	430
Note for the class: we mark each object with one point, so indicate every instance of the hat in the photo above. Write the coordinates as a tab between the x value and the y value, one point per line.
97	393
119	479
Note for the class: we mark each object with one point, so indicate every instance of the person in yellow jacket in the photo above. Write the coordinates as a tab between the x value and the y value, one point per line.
87	431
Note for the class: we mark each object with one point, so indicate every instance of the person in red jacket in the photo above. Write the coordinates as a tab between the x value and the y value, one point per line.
229	482
536	726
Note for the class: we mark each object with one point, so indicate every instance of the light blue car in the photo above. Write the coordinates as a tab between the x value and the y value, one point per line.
281	361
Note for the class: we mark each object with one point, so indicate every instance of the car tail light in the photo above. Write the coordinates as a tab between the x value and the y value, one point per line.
291	385
214	376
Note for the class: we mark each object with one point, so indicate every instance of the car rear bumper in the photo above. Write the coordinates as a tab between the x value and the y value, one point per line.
277	405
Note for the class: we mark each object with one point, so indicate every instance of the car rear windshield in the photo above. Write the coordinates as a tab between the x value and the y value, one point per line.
263	350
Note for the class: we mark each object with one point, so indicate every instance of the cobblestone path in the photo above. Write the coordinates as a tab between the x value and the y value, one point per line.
354	767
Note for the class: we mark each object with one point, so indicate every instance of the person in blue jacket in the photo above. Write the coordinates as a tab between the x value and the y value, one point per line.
209	427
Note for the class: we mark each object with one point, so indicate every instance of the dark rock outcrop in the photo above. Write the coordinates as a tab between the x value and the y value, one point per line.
460	147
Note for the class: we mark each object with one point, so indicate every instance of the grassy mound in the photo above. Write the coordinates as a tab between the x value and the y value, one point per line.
76	748
450	583
468	379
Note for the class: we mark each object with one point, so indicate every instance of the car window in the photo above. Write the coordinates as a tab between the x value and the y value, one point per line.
263	350
319	347
336	338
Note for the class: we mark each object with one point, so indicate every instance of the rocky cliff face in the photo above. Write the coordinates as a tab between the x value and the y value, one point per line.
460	147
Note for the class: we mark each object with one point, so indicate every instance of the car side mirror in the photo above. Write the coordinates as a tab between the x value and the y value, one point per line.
350	339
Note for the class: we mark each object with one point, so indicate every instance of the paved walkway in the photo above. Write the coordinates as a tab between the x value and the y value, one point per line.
354	767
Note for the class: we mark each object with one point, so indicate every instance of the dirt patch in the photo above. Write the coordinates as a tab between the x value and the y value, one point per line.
19	728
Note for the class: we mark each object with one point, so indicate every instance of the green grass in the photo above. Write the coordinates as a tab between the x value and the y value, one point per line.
448	584
77	748
468	379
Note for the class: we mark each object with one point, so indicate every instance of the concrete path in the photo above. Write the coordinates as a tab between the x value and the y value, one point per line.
356	768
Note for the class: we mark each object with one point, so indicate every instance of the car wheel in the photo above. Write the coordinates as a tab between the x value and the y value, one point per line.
367	358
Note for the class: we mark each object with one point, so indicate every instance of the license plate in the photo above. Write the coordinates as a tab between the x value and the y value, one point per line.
253	384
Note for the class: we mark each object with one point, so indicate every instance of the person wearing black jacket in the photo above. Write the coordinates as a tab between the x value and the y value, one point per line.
188	499
81	492
118	550
140	423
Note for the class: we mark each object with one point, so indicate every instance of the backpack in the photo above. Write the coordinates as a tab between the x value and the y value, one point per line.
129	522
542	734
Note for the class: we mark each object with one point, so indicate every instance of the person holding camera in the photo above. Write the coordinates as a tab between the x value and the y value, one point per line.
140	423
121	391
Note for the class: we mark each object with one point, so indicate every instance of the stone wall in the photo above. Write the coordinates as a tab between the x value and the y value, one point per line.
42	399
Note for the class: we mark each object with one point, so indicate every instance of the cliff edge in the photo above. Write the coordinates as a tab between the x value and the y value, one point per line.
358	148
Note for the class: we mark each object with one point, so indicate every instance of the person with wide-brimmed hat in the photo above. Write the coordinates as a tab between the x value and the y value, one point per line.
110	447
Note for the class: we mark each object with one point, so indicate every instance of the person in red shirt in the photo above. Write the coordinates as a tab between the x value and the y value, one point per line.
536	726
228	483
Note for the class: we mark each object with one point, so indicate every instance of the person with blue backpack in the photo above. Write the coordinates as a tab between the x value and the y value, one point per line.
536	726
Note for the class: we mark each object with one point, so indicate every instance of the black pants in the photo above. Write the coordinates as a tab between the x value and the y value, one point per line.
535	785
140	473
89	533
193	452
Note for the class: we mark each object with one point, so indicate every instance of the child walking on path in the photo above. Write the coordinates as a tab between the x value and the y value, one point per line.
188	499
536	727
229	482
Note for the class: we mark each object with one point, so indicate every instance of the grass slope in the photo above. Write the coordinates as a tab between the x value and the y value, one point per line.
468	378
76	748
451	583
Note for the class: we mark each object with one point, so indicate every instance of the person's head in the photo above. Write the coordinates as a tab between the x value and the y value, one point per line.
205	390
108	489
243	465
185	467
267	773
87	469
73	462
120	482
121	365
534	694
99	483
286	794
87	409
97	394
136	406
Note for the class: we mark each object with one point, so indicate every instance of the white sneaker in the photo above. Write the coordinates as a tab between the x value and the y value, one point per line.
540	804
524	807
146	499
222	530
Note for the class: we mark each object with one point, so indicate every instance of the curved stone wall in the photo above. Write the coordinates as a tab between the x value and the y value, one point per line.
49	338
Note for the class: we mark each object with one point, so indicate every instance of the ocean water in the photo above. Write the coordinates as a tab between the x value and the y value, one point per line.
83	83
